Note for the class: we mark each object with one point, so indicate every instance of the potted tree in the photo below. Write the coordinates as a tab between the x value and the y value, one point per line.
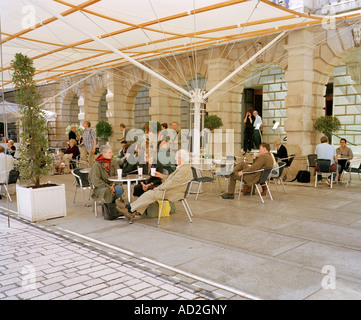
327	125
35	201
104	130
211	122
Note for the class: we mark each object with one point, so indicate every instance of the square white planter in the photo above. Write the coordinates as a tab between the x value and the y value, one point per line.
41	203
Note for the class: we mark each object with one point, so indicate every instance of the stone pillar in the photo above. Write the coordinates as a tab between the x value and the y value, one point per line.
304	100
226	105
118	110
165	101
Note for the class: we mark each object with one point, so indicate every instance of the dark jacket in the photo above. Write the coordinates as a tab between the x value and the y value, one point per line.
98	176
74	150
282	153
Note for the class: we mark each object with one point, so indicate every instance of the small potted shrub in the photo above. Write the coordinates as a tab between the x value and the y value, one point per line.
35	201
327	125
103	130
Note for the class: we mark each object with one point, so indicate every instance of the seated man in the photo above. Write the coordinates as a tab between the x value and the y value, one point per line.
344	155
70	154
326	151
175	186
104	167
263	159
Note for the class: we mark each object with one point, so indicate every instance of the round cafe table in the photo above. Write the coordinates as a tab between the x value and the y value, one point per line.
129	179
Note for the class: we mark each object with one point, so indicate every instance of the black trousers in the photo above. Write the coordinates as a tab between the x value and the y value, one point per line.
248	139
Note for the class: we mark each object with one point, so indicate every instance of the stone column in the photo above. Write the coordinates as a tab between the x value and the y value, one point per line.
225	103
118	110
165	101
304	100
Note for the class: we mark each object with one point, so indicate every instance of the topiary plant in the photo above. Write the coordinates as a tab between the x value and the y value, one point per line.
212	122
104	129
34	161
327	125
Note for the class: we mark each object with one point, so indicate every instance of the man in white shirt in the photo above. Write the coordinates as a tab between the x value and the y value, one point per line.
326	151
6	164
257	124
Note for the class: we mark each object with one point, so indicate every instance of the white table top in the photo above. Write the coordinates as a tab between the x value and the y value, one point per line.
129	177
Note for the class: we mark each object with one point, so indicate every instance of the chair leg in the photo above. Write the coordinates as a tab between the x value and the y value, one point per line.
199	188
259	193
76	189
187	209
283	186
160	211
95	209
316	178
7	192
215	187
269	191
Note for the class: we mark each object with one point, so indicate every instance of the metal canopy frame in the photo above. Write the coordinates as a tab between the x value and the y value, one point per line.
199	39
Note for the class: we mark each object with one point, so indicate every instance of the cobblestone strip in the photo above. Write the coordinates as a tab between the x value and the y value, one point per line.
36	264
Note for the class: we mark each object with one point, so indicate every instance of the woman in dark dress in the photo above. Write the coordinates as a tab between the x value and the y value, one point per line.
248	131
152	182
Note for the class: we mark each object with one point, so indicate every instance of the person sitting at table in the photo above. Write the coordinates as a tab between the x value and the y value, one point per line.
344	155
6	164
130	160
104	167
281	150
122	154
263	159
153	181
11	149
174	186
71	153
326	151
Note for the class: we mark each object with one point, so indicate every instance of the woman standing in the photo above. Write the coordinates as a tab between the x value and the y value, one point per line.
248	131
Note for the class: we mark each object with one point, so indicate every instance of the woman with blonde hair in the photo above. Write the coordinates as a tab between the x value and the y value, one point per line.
70	154
281	149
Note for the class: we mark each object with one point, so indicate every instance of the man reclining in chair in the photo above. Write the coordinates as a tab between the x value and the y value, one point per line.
264	159
175	186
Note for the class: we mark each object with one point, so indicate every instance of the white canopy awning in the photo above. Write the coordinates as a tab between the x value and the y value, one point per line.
141	29
9	112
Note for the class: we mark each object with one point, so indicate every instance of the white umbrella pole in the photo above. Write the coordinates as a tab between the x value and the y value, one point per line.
216	87
5	118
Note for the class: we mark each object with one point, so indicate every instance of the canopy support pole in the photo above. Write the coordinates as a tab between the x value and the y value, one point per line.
216	87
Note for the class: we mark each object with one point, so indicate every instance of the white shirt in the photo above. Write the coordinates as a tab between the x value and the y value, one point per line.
257	122
6	164
326	151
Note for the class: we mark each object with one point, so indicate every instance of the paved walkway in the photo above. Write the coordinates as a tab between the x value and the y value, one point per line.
40	265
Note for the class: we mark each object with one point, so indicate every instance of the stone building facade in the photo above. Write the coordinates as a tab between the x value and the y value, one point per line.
291	79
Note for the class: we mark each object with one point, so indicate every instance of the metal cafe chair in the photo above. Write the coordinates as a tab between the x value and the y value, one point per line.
265	175
183	201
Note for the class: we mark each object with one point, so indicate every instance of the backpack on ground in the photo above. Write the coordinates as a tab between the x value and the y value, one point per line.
109	211
303	176
153	209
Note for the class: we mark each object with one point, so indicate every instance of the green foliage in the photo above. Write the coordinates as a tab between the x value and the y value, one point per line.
327	125
78	131
34	161
104	129
212	122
